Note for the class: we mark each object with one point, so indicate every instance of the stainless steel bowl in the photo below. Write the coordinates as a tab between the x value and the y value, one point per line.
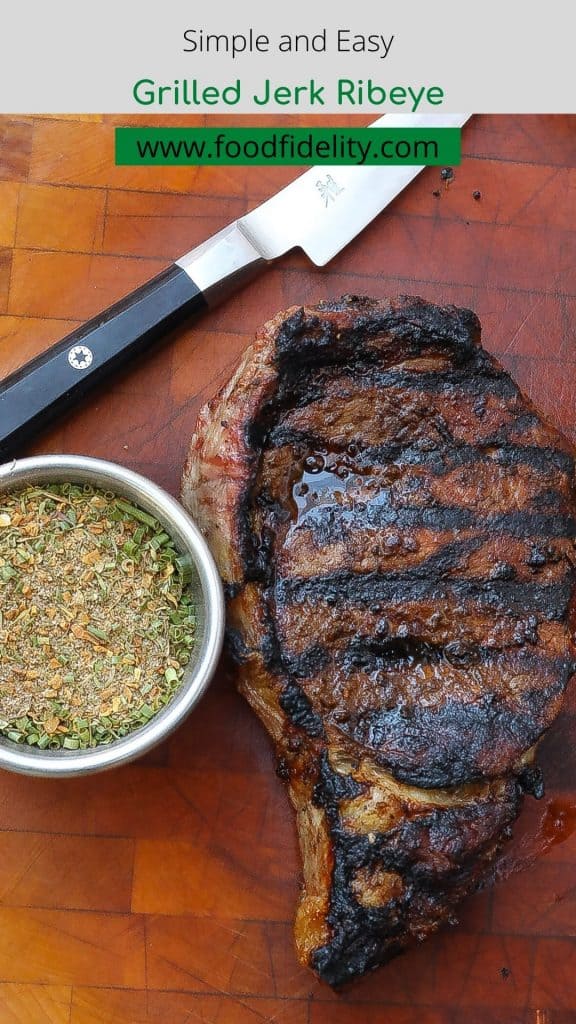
208	595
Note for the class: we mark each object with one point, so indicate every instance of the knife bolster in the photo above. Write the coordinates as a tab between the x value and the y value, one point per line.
222	263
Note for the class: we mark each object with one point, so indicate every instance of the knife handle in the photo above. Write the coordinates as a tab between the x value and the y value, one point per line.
60	377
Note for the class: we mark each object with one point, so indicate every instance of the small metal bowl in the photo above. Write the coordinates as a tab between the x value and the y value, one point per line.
206	588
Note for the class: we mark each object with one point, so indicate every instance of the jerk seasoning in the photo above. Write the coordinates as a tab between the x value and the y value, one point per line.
96	621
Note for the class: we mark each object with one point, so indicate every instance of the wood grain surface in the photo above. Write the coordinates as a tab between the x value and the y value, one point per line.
164	891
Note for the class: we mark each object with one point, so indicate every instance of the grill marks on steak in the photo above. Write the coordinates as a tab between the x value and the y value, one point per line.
360	463
395	525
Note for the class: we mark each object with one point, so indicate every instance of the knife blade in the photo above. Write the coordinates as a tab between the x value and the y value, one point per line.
320	212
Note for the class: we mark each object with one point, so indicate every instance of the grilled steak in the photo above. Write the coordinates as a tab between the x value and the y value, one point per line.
394	524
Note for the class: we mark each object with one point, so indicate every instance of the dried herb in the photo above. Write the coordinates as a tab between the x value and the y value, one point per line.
96	619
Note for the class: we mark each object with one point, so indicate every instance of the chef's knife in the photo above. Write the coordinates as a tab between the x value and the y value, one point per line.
320	212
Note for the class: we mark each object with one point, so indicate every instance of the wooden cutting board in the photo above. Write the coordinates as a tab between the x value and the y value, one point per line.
164	891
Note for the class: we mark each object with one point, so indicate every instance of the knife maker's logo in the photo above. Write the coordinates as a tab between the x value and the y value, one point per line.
80	357
329	189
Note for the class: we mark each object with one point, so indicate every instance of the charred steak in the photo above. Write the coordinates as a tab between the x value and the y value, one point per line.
394	524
